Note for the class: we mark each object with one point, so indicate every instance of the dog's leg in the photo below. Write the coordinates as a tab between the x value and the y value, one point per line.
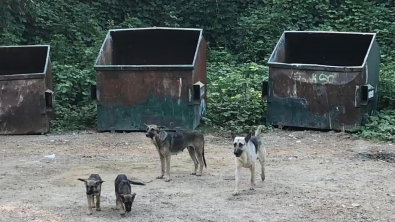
89	209
98	203
167	178
237	179
191	151
117	202
263	170
93	201
162	166
252	168
262	160
201	163
122	209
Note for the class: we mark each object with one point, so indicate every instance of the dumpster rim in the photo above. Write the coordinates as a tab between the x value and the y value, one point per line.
22	76
315	67
39	75
143	67
334	32
149	67
152	28
270	63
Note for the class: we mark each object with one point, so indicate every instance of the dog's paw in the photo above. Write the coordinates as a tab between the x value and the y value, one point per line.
167	179
199	174
89	212
193	173
252	188
159	177
93	206
98	209
235	193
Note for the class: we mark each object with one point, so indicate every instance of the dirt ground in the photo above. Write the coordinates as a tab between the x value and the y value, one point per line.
311	176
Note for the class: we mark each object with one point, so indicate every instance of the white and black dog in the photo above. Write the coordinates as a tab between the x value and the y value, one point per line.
247	150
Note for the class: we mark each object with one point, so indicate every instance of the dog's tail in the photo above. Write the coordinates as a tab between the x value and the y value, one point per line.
258	131
204	159
136	183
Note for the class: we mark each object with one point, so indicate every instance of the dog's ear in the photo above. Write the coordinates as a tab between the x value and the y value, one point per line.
133	196
248	137
162	135
233	135
83	180
101	182
161	127
145	124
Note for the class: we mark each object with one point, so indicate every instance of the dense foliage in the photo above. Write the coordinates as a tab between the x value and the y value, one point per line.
241	35
380	126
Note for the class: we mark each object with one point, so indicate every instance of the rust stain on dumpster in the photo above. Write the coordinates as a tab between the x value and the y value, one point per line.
319	91
25	90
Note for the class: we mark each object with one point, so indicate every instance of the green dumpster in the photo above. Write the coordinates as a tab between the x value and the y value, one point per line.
150	75
322	80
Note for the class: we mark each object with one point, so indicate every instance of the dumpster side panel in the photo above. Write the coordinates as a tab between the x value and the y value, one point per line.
372	75
200	69
128	99
22	107
200	74
313	99
279	52
48	76
106	54
49	86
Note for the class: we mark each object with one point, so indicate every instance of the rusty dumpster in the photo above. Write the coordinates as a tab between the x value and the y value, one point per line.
150	75
25	89
322	80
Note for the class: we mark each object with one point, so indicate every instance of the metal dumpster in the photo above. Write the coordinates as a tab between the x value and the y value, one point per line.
150	75
322	80
25	89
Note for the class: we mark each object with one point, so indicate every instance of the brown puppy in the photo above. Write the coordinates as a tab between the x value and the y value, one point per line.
171	143
93	189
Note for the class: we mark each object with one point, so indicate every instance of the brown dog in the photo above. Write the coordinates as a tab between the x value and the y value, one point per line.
93	189
171	143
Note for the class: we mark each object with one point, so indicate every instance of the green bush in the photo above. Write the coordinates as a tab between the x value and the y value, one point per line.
240	35
379	127
234	94
386	86
74	109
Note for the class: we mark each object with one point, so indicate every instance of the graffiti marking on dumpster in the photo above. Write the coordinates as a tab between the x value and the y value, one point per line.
322	78
325	79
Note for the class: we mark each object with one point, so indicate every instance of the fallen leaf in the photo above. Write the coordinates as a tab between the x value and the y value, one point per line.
355	205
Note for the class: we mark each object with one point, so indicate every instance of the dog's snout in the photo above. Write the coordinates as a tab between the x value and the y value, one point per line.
150	134
89	190
128	207
238	152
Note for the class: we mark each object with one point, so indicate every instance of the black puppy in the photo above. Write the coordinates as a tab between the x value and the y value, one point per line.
123	193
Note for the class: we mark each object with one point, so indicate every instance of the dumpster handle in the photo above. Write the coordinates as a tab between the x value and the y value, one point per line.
49	100
367	94
93	92
265	90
